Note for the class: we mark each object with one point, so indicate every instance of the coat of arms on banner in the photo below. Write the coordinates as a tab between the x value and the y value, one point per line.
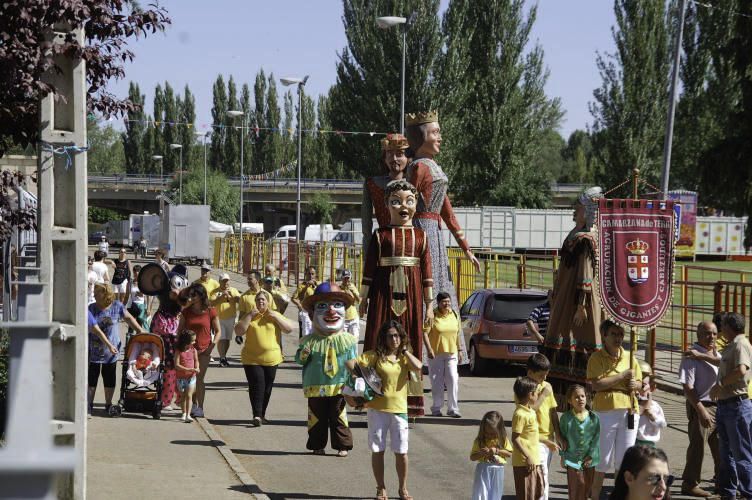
636	262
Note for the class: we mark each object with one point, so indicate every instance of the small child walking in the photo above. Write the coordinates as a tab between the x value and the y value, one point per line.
652	419
528	477
580	429
186	368
490	449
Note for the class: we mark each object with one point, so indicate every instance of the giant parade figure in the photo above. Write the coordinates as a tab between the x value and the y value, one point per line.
575	308
397	277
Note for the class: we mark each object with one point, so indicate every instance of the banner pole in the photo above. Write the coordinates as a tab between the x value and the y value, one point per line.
635	179
632	342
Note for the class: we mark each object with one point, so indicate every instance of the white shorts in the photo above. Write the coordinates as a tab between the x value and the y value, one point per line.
614	439
121	288
227	327
352	326
381	422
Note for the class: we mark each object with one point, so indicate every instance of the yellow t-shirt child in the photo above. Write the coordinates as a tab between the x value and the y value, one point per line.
525	423
492	443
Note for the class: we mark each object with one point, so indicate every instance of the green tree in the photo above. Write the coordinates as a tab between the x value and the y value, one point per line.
289	134
366	96
496	110
327	167
170	131
187	131
106	148
248	136
579	162
630	105
232	139
219	119
134	135
158	146
223	198
312	168
258	121
321	207
272	158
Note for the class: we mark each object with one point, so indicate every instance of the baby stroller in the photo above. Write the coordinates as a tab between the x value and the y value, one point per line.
141	387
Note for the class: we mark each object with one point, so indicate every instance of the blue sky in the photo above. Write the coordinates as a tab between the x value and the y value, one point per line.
299	37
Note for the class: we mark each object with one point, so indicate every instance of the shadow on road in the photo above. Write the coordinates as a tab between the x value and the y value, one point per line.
191	442
271	453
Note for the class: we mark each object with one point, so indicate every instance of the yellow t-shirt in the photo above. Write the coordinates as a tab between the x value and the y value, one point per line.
720	342
262	344
210	285
352	311
443	334
493	443
525	423
225	308
304	291
394	375
543	413
601	365
248	302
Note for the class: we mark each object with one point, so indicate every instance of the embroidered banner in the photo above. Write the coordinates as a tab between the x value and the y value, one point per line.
636	261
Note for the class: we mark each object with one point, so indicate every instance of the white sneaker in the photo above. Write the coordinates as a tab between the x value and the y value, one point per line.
183	416
188	419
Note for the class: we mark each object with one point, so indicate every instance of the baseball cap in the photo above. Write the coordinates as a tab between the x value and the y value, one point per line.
206	267
224	276
346	274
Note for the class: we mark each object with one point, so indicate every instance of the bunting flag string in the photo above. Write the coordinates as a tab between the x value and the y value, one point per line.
256	130
274	174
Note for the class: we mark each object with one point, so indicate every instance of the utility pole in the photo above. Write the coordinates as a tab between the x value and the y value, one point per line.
667	143
45	450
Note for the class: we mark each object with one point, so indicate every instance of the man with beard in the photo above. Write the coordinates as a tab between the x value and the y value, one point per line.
323	355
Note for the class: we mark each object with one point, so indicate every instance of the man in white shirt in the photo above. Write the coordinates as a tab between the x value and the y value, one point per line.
99	267
697	375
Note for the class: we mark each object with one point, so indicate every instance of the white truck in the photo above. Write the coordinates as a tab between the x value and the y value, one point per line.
146	225
185	233
118	233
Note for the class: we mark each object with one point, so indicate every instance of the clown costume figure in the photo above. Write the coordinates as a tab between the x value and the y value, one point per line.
323	355
397	277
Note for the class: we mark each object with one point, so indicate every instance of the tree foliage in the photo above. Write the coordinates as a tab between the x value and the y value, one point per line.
496	111
26	54
223	198
367	93
106	148
630	105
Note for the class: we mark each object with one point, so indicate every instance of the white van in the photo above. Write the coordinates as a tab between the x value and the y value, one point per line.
285	233
314	232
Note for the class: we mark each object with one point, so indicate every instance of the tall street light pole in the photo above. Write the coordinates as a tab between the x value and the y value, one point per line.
204	136
180	173
387	22
159	158
667	143
234	113
300	82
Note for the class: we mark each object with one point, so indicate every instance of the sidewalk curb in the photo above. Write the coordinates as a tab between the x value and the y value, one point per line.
249	484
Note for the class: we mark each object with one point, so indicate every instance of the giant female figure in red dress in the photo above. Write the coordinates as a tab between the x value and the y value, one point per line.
397	277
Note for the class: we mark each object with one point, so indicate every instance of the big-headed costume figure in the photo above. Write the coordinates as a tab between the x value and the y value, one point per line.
323	355
170	287
575	307
397	277
424	136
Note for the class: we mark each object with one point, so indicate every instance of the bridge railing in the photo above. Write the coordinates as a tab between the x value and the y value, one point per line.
139	180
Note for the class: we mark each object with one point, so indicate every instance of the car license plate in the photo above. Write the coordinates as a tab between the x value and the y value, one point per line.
523	348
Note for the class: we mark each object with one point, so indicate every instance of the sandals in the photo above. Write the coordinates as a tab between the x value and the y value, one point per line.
404	495
381	494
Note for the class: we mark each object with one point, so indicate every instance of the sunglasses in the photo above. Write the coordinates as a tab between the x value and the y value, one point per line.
655	479
394	336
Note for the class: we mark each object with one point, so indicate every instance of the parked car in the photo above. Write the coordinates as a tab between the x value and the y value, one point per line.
493	323
95	237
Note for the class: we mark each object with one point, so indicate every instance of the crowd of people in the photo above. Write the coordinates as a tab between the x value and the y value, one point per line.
612	423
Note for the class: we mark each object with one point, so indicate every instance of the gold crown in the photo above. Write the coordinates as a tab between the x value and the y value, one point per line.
394	142
637	247
421	118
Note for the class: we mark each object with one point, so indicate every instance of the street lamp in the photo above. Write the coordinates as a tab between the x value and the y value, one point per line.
300	82
234	113
180	173
387	22
159	159
204	135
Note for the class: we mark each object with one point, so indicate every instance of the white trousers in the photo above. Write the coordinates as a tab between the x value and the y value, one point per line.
545	456
305	322
352	326
615	438
442	371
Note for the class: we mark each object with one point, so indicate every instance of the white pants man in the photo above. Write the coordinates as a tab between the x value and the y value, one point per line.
442	371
